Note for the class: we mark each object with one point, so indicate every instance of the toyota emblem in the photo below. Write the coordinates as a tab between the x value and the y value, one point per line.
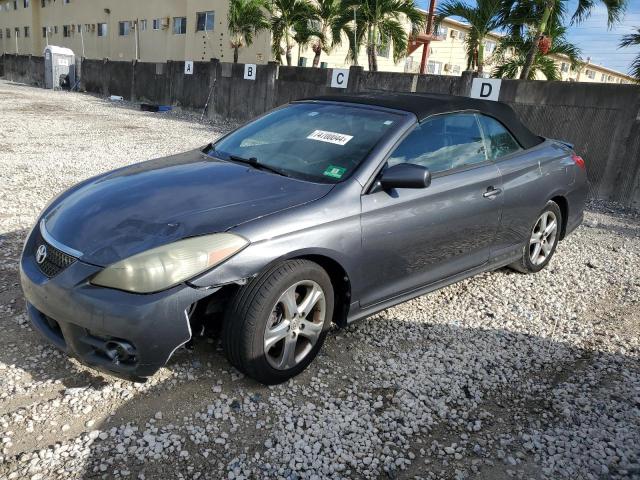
41	254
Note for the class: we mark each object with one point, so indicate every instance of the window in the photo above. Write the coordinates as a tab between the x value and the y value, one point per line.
204	21
497	138
8	33
442	143
462	36
66	30
67	2
179	25
44	32
26	3
441	31
590	73
142	24
157	23
489	47
383	47
435	68
456	69
123	28
55	29
1	33
27	32
15	4
317	142
302	62
42	3
17	31
102	29
564	67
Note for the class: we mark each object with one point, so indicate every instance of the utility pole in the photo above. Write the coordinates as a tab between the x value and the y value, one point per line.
136	26
425	47
81	39
355	37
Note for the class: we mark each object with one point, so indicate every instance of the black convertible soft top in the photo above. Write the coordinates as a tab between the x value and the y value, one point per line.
423	105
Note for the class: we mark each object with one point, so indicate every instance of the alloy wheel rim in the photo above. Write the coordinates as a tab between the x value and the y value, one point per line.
294	325
543	238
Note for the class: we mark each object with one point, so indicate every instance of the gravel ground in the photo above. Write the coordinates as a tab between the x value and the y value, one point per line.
503	375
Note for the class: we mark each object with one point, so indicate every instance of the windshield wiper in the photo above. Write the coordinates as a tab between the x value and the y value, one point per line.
253	161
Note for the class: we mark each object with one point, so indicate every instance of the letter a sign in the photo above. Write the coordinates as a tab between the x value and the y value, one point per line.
486	88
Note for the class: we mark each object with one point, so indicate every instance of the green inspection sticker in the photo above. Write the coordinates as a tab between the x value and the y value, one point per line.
334	172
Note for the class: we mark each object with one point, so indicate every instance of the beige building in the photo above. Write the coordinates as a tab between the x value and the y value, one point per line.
160	30
149	30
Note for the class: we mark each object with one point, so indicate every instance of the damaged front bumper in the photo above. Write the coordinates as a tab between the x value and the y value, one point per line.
124	334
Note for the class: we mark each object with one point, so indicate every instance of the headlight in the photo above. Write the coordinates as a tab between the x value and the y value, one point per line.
163	267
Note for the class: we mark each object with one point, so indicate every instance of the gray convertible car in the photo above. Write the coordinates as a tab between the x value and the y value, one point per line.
325	210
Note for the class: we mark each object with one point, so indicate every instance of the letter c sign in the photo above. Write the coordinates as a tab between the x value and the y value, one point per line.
486	88
339	78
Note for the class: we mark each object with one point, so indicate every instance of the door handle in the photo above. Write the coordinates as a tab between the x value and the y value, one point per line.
491	192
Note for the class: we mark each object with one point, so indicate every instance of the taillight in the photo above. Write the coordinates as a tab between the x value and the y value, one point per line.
579	161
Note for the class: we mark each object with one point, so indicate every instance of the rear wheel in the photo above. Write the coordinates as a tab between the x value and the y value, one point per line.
277	323
543	240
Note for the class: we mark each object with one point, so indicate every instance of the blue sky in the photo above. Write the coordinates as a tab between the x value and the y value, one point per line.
593	37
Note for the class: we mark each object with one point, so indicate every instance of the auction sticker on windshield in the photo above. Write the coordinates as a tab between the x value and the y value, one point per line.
330	137
334	172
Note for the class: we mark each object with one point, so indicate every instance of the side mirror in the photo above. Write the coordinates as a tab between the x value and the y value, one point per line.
405	175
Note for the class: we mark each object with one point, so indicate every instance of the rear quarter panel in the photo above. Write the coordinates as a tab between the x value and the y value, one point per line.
530	179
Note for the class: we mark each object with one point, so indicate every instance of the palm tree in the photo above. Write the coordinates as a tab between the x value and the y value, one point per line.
303	32
537	16
245	20
482	18
379	24
512	52
331	15
286	15
628	41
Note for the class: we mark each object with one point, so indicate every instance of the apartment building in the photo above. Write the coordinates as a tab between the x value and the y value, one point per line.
149	30
160	30
447	56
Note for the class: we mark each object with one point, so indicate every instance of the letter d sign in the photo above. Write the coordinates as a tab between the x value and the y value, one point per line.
486	88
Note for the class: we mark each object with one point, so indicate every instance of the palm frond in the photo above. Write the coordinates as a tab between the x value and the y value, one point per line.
615	10
630	40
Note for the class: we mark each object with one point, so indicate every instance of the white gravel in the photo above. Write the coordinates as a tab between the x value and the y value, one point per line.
504	375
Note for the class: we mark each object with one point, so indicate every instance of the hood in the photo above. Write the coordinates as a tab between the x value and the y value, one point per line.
153	203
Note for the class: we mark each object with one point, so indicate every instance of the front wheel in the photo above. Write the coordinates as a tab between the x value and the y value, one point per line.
276	324
543	240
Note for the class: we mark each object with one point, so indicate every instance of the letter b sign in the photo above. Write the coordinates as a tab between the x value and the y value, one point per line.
486	88
249	71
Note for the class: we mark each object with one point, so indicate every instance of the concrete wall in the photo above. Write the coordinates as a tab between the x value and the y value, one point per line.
601	120
24	69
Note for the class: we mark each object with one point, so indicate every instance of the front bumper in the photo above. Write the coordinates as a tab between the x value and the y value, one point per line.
124	334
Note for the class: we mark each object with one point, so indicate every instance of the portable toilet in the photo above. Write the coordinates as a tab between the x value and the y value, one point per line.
59	67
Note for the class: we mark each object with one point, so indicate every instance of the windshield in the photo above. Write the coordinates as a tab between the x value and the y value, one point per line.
310	141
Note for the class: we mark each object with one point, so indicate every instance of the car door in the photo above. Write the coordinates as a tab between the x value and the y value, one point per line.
414	237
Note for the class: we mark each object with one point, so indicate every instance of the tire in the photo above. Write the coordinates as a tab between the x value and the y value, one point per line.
529	262
261	313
